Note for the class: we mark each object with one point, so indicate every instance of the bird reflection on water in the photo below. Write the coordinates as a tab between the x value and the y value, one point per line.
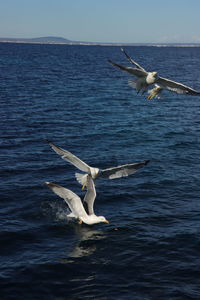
86	244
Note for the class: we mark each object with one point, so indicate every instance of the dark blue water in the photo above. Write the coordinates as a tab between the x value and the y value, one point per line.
73	97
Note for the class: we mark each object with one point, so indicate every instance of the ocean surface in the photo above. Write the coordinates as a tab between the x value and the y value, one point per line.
73	97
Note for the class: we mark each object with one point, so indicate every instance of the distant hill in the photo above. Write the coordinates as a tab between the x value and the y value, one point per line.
42	40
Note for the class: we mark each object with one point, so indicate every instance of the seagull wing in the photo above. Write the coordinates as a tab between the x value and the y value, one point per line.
133	71
73	201
68	156
122	171
176	87
90	195
132	61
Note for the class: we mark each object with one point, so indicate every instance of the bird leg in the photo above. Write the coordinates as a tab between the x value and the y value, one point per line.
153	93
84	185
150	97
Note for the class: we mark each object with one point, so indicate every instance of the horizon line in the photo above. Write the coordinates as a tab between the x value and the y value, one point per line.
65	41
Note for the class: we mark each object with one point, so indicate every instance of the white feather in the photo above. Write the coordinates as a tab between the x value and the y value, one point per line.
81	178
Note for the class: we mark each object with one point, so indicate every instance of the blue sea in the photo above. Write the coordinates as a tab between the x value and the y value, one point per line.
73	97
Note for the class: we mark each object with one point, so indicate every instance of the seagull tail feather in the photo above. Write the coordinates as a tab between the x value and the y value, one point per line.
81	178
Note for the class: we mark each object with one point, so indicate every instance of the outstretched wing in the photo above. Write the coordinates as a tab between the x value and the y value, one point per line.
68	156
133	71
73	201
176	86
132	61
90	195
122	171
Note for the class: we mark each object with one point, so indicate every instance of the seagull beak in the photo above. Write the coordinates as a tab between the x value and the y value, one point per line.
106	221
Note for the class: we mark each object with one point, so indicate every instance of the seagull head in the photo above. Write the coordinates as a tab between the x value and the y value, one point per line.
94	172
155	74
103	219
151	77
93	219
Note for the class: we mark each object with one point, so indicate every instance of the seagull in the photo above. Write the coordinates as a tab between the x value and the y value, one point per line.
75	204
111	173
155	92
146	79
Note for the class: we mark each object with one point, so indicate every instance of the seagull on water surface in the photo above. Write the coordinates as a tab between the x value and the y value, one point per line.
75	204
146	79
111	173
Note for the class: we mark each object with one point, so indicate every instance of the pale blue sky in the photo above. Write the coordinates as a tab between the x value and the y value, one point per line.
126	21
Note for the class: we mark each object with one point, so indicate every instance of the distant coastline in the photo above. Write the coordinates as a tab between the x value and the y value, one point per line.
63	41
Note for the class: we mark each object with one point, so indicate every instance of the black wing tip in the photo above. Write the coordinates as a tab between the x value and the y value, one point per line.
51	185
51	143
124	51
146	162
110	62
113	64
194	93
47	141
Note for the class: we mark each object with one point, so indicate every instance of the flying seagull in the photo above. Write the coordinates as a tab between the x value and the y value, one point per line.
75	204
157	89
111	173
146	79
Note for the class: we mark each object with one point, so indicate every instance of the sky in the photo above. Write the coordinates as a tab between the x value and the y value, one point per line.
125	21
